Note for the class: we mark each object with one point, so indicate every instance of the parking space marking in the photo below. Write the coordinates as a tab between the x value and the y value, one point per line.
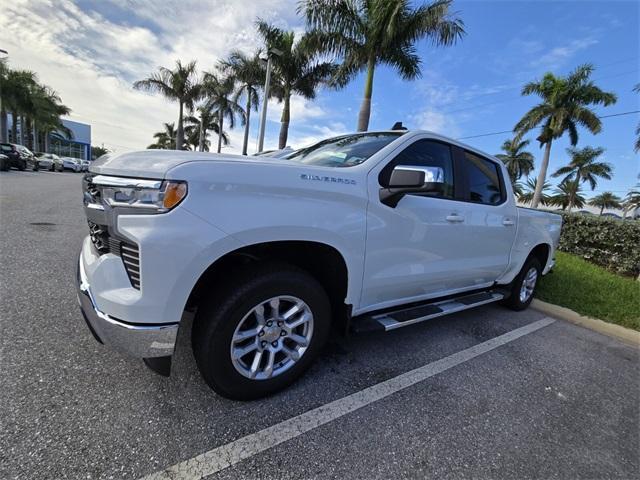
234	452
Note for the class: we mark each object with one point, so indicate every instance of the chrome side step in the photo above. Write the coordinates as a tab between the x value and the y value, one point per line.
403	317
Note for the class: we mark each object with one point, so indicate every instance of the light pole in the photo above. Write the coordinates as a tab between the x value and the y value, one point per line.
267	83
3	116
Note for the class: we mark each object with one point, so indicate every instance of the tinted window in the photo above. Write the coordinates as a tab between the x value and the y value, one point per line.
425	153
344	151
484	180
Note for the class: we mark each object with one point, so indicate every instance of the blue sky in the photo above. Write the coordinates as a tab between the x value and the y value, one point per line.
91	51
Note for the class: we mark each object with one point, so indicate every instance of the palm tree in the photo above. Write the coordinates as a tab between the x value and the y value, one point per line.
636	147
605	200
564	107
631	201
528	190
45	116
295	71
166	139
218	90
16	98
583	167
567	195
205	122
367	33
180	84
517	161
249	72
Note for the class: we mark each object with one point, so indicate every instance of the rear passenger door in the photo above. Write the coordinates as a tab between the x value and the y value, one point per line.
489	216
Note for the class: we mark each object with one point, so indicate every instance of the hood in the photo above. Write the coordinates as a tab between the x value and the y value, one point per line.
156	163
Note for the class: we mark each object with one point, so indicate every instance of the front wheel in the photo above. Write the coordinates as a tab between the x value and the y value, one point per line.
22	166
262	332
524	285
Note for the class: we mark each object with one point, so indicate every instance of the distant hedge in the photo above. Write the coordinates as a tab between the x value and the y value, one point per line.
613	244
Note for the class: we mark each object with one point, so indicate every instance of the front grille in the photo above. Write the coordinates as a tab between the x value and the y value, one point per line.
128	252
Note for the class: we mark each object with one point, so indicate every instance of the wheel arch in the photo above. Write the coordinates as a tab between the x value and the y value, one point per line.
324	262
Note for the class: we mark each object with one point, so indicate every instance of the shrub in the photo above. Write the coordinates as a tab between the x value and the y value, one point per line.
613	244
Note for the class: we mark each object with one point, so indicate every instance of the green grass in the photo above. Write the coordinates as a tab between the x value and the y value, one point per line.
592	291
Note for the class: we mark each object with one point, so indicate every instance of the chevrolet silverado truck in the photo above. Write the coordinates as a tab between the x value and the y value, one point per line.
367	231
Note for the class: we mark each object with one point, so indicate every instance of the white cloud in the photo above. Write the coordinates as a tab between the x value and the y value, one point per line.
556	57
92	55
436	121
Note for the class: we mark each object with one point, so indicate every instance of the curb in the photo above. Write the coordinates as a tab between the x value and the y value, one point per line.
621	333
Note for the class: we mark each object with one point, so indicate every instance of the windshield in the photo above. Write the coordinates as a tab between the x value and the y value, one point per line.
344	151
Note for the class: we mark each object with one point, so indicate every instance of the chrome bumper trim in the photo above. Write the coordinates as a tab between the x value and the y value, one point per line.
143	341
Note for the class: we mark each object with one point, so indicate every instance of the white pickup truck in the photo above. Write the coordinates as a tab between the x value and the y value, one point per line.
375	230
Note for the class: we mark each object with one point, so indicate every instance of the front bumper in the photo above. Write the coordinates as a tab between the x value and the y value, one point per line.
144	341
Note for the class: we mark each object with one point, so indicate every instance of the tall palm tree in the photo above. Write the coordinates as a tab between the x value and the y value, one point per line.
180	84
47	108
605	200
249	72
218	90
203	123
567	195
367	33
584	167
636	147
295	71
565	106
165	139
528	190
16	98
517	161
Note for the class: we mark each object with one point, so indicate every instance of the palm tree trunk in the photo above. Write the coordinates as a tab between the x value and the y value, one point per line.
201	135
14	127
3	126
601	210
23	125
180	132
284	121
220	122
246	126
35	136
365	108
46	142
542	175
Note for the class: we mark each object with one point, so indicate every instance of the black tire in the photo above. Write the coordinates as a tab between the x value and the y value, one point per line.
514	302
22	166
35	167
4	165
219	314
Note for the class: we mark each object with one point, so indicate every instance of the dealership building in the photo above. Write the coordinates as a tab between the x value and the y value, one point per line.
74	141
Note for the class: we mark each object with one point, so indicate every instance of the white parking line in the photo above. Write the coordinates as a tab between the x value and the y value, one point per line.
227	455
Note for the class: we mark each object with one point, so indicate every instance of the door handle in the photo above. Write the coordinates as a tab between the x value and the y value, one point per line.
454	218
507	222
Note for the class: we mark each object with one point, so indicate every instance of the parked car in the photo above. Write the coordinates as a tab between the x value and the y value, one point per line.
19	156
72	164
5	163
368	231
48	161
85	165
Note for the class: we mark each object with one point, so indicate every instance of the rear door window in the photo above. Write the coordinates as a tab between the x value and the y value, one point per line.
483	178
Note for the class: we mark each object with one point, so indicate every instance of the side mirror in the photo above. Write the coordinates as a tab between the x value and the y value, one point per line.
405	180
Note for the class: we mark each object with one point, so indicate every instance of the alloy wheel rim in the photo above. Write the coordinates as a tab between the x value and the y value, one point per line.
272	337
528	284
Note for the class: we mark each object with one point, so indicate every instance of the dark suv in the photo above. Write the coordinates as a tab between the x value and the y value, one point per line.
18	155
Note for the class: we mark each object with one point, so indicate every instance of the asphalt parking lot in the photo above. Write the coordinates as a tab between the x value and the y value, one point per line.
490	393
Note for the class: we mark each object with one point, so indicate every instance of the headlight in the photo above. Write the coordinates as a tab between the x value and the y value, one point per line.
152	196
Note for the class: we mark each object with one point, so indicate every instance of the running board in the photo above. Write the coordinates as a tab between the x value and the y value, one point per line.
404	316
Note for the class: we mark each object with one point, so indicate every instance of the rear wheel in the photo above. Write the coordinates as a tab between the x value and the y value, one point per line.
4	164
262	332
22	165
524	285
